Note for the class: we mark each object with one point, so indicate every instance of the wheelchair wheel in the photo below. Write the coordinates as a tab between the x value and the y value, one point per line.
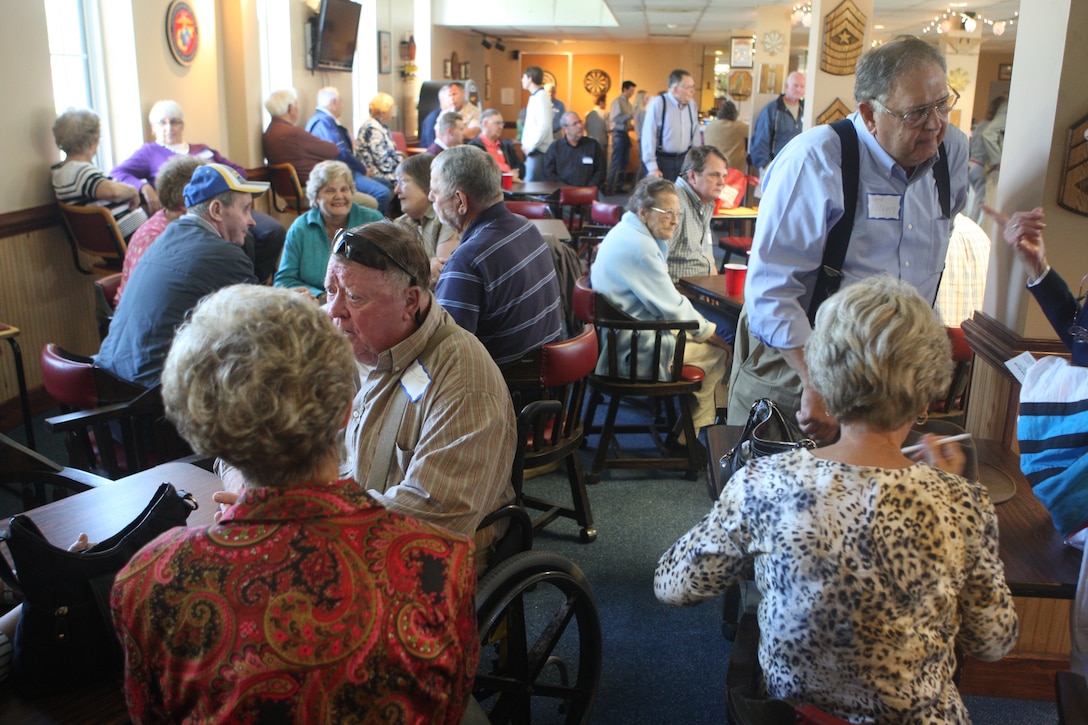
541	639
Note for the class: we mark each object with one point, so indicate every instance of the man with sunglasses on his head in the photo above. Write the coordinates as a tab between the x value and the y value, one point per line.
910	168
432	430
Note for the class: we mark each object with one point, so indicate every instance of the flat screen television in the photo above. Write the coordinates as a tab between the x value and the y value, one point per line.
335	33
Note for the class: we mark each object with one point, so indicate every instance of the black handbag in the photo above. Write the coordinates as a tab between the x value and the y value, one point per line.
765	433
65	636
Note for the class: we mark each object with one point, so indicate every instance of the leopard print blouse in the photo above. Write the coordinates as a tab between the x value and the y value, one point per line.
869	577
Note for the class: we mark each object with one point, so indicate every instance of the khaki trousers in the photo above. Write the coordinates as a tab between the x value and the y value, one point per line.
760	372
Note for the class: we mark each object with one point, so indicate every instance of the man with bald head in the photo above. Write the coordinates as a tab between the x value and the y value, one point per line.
779	121
575	159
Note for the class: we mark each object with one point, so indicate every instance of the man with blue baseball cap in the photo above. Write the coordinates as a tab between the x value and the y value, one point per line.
197	254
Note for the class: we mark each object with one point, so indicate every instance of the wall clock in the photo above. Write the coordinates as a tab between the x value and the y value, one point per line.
597	82
773	42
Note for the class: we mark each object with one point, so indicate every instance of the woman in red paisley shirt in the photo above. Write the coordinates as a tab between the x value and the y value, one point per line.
307	601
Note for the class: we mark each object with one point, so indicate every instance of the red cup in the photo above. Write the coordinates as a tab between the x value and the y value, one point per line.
734	279
718	206
507	182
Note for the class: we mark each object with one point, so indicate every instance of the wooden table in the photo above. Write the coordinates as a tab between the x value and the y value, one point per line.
744	216
555	227
1040	570
102	512
711	288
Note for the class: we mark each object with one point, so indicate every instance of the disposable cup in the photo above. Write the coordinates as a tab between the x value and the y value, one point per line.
734	279
507	182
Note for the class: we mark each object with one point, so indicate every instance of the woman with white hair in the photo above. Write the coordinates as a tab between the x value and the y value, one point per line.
330	189
308	601
374	144
872	566
77	180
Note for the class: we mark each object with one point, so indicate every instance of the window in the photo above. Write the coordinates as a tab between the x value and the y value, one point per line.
274	21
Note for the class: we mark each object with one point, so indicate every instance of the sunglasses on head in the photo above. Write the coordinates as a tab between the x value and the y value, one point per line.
362	251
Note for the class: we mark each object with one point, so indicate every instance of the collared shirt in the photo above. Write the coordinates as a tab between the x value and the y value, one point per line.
963	284
691	249
311	602
455	445
802	200
432	231
495	149
536	134
583	164
679	129
501	284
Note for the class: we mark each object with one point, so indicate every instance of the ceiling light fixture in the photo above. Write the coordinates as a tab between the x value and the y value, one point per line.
485	43
498	45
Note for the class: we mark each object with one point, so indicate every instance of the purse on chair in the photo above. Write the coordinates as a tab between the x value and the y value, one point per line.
65	636
766	432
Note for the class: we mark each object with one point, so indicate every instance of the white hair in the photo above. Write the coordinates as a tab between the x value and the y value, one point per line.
165	109
279	101
327	95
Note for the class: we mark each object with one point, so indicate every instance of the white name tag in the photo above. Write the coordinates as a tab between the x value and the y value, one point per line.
415	381
587	160
885	206
205	154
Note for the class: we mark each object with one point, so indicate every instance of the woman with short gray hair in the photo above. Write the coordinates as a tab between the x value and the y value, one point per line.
873	566
330	189
77	181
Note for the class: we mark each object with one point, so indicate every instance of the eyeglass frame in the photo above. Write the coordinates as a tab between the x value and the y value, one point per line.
926	109
677	215
342	247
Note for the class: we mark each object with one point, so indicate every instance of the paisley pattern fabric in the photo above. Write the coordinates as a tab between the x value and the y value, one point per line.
869	577
310	604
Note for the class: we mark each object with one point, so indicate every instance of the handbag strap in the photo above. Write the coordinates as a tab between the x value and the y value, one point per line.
7	573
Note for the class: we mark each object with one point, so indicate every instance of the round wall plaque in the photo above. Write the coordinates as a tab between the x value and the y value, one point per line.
181	31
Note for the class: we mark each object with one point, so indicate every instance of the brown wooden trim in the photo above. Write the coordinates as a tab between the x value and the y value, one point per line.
29	220
1021	677
995	343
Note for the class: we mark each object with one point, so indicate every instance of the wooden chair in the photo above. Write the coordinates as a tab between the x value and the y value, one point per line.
93	230
618	335
34	480
603	216
739	246
105	291
551	428
575	202
286	188
531	209
110	426
953	406
400	142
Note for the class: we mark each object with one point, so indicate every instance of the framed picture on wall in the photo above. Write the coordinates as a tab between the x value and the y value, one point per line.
385	52
1004	72
447	68
740	52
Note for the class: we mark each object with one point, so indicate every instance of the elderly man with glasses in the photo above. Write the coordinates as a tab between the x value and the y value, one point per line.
669	128
910	171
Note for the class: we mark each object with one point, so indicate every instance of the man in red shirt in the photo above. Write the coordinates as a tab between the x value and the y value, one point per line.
500	149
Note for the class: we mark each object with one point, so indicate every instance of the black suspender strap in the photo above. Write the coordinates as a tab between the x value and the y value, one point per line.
940	175
838	239
661	126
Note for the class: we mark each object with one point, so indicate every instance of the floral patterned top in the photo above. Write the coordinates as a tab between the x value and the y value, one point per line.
308	604
375	147
869	577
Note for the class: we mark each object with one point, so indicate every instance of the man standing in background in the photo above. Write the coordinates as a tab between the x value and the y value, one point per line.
672	119
779	121
620	115
536	137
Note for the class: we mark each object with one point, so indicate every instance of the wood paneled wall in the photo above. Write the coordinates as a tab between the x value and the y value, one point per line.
42	294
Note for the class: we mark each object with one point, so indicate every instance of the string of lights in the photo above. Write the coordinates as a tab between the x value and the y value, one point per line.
947	21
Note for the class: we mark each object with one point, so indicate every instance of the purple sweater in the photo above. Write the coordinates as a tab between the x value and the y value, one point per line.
142	167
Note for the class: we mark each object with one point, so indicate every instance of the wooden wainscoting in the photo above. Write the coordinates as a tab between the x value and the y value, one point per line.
42	294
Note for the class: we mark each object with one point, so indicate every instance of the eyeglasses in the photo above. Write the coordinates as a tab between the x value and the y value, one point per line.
672	215
362	251
170	122
917	117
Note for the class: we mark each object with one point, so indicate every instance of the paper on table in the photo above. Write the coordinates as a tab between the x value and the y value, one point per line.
1020	365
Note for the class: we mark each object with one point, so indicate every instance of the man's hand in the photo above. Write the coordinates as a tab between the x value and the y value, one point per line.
655	172
1023	231
814	420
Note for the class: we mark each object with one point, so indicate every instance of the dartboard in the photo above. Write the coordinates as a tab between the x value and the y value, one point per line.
549	79
597	81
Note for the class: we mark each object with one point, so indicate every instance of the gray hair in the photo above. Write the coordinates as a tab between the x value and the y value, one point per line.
878	353
325	96
278	102
677	77
173	176
261	378
448	121
648	192
470	170
489	113
76	130
226	198
697	156
568	118
418	169
400	243
728	111
881	67
164	109
324	174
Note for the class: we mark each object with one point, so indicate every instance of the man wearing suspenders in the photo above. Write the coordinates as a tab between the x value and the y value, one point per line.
672	120
908	179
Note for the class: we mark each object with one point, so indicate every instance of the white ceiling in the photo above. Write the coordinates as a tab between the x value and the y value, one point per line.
712	22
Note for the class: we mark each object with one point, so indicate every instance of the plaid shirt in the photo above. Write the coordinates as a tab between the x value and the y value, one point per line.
691	251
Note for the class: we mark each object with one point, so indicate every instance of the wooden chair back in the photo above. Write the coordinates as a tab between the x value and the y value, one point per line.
105	291
287	188
94	231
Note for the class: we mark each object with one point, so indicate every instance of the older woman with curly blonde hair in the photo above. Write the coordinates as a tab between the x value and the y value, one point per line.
374	144
294	602
872	566
330	189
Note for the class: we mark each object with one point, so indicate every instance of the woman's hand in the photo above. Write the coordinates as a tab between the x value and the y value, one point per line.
945	456
147	191
225	499
1024	233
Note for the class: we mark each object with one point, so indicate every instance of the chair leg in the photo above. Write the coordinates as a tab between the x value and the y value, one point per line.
607	434
583	513
691	439
24	398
